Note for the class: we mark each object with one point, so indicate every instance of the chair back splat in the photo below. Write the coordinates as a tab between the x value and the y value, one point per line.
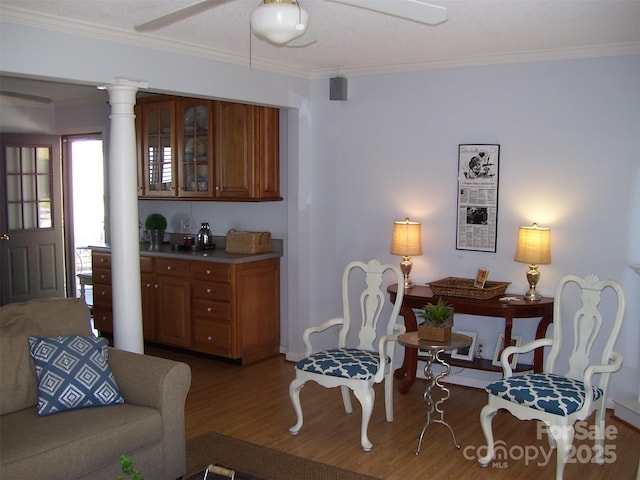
589	312
356	366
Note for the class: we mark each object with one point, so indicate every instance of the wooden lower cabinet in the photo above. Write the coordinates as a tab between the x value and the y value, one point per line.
229	310
101	278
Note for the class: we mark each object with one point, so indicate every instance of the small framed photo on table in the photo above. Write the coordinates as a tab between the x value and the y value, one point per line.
481	278
466	354
516	340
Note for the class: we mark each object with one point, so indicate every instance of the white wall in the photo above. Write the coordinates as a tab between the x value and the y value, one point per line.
567	132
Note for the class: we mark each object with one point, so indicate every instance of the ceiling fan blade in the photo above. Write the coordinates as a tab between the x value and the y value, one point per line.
26	96
415	10
177	15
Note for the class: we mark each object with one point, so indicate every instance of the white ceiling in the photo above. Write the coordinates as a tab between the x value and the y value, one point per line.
353	41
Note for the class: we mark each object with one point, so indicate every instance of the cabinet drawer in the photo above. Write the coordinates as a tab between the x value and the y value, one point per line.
102	295
101	260
212	291
101	277
102	319
217	272
168	266
212	337
146	264
209	310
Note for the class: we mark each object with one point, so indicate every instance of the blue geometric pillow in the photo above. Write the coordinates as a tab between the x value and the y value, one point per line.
72	373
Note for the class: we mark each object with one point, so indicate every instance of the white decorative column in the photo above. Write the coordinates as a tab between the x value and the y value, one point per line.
123	189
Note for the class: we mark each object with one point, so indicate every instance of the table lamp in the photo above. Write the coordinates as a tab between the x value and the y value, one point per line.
534	248
407	242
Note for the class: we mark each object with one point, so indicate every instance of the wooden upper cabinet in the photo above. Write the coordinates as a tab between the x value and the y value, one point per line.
234	156
205	149
267	152
195	149
158	148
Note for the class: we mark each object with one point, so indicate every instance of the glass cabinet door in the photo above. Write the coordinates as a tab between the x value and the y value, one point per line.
195	146
159	149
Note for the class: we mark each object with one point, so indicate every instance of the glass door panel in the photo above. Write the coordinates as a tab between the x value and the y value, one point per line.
195	148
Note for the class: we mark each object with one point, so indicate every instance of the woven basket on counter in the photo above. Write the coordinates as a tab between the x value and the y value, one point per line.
464	287
248	242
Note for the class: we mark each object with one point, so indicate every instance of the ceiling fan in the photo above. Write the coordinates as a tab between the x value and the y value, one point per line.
281	22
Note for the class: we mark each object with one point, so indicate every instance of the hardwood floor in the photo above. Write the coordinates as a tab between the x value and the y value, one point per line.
252	403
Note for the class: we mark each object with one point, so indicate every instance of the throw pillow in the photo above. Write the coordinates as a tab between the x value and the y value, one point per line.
72	372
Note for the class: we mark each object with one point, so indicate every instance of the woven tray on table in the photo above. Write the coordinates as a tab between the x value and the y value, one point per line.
464	287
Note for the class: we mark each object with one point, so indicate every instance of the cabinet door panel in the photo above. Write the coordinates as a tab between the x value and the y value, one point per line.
159	151
234	150
173	315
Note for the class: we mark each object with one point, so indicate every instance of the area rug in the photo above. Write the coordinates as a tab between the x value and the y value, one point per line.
259	461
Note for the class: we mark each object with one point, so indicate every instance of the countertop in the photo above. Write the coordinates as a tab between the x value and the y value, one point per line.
217	254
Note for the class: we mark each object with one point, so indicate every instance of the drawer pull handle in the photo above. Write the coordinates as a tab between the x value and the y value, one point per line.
208	272
148	285
209	309
169	267
103	276
156	285
210	339
209	290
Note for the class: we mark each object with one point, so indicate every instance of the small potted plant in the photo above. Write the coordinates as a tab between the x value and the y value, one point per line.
155	224
438	320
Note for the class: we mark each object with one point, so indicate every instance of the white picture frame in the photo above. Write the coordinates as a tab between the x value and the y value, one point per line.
516	340
466	354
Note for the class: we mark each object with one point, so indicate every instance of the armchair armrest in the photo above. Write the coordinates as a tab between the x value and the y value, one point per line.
615	363
386	348
161	384
306	336
527	347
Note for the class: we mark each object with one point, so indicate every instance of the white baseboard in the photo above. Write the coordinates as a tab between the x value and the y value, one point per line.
628	410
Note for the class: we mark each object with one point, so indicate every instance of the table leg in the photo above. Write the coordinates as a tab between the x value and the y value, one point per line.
407	372
432	407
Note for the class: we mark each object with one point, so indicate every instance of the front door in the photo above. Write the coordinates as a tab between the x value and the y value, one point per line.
31	230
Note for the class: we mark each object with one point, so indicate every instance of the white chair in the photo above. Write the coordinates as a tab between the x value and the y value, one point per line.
560	400
369	362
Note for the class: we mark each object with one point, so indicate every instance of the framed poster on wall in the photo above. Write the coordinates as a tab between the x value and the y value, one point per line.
477	223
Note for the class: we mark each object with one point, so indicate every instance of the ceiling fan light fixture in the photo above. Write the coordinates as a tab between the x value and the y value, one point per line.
279	21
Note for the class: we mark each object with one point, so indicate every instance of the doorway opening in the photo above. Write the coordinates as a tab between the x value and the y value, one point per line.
84	208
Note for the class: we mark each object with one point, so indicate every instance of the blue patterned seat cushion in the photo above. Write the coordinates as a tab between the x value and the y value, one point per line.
72	372
546	392
342	362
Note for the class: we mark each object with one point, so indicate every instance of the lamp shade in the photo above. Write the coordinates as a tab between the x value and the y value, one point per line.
279	21
407	238
534	245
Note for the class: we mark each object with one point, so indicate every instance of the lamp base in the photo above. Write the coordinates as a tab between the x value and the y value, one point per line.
405	267
532	295
533	275
408	283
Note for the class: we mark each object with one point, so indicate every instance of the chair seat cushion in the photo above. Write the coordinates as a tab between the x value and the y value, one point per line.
546	392
342	362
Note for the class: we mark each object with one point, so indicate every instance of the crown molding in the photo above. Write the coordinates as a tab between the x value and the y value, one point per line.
19	16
